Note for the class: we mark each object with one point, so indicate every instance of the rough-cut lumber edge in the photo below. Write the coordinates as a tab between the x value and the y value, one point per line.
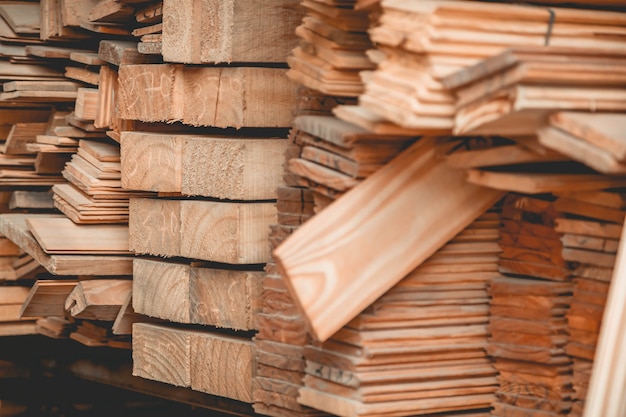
98	299
333	264
13	226
605	397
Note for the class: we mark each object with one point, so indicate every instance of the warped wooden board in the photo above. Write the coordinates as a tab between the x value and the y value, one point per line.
235	168
229	31
200	295
14	226
333	292
213	96
47	298
62	236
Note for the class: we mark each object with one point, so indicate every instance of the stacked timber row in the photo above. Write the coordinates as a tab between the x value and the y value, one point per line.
216	169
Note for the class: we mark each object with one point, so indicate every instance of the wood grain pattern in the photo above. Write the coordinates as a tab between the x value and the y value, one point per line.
206	96
214	31
333	274
237	168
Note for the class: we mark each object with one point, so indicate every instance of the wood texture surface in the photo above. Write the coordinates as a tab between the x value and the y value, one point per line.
333	292
196	295
235	168
196	32
206	96
225	232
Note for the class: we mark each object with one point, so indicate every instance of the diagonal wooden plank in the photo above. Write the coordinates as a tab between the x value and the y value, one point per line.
355	250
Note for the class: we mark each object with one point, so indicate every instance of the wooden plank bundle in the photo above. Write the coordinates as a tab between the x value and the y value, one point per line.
513	93
282	333
420	348
11	323
336	156
528	339
331	53
430	40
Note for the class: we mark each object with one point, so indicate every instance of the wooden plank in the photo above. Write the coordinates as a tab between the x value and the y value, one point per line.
59	235
179	228
47	298
111	11
214	96
327	294
608	379
222	365
98	299
228	31
238	168
197	295
121	53
162	354
599	129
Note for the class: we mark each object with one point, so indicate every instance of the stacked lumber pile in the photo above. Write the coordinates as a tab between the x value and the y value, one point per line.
332	50
431	40
420	348
216	168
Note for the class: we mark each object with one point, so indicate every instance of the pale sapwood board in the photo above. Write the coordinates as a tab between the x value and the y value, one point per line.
333	292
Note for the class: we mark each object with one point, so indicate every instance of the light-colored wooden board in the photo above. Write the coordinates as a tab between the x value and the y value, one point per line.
333	292
213	96
237	168
98	299
13	225
197	295
59	235
229	31
190	228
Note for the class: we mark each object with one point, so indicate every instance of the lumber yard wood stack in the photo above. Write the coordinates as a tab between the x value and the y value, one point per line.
215	167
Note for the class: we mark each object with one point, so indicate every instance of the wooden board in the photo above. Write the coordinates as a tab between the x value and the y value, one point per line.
332	293
58	235
98	299
208	362
190	229
14	226
227	31
213	96
237	168
197	295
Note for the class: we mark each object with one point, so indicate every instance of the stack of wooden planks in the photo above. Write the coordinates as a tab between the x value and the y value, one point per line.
420	348
514	92
430	40
336	156
215	169
332	50
11	323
